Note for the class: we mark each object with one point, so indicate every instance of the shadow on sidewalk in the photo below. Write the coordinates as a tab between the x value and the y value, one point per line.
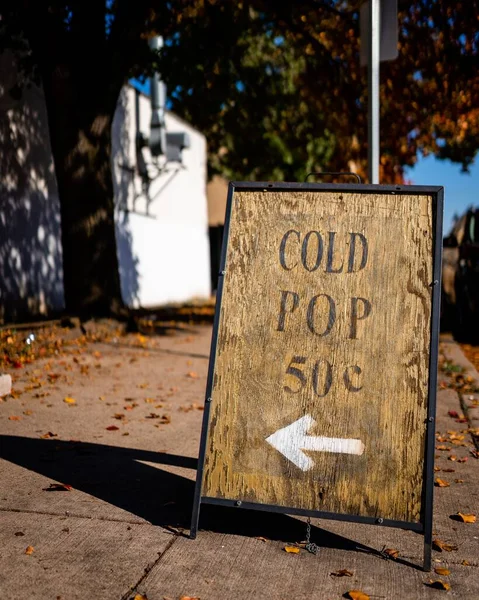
115	475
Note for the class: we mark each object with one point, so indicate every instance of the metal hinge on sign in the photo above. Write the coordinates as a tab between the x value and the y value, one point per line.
310	546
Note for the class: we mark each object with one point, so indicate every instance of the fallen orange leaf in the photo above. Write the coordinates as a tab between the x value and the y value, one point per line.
442	571
189	598
445	448
58	487
14	418
449	470
192	374
466	563
439	545
357	595
391	552
291	549
458	480
29	550
164	420
452	457
466	518
342	573
438	585
28	412
140	597
69	400
48	435
441	483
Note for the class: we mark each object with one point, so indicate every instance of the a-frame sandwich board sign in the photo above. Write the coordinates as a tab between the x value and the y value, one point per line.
320	397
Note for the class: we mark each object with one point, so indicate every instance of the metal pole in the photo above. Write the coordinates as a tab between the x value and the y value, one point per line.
373	91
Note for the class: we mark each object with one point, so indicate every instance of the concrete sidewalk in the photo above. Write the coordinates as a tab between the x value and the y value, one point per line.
119	422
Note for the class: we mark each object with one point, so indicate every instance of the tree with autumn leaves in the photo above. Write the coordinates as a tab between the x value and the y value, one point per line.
276	87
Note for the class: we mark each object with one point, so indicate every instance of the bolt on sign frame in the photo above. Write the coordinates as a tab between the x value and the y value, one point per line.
321	390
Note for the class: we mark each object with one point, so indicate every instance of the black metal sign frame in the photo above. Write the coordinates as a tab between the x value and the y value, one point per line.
425	525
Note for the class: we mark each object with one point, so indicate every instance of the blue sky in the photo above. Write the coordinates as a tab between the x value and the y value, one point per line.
460	189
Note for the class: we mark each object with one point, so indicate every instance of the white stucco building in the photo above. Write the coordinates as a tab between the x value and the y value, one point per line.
162	222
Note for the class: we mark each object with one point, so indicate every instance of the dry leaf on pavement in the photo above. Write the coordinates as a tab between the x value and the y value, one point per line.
391	552
442	571
342	573
356	595
189	598
165	420
439	545
29	550
112	428
261	539
438	585
192	374
291	549
14	418
48	435
69	400
441	483
130	406
466	563
465	518
58	487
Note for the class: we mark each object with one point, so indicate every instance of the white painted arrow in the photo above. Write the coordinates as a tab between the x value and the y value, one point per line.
292	440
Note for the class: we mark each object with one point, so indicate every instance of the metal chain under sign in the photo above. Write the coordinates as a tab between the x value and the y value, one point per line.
310	546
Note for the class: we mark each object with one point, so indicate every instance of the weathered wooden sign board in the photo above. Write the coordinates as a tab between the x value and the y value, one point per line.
321	392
